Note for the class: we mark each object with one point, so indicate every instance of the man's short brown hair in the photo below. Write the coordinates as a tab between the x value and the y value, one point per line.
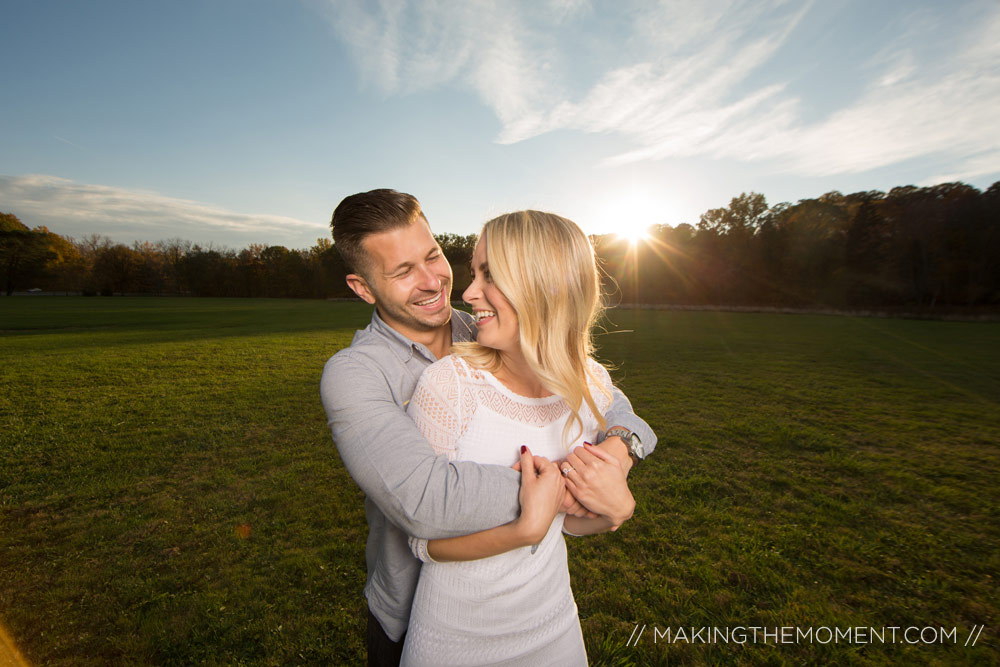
366	213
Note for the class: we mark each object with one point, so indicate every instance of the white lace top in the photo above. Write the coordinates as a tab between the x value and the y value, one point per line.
450	393
517	605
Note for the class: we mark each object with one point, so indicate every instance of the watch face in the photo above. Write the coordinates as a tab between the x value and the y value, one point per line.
636	446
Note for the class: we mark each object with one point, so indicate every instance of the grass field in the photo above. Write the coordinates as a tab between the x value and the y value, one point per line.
169	493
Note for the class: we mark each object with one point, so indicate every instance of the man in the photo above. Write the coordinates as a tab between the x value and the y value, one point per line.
398	267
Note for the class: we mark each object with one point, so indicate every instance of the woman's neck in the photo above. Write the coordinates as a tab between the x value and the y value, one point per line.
515	374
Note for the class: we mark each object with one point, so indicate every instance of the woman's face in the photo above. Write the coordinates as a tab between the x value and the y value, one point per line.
495	316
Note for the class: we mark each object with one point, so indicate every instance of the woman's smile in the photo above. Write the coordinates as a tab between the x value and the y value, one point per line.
483	315
495	317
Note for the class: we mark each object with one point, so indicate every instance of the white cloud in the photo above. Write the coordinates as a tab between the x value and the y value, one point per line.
402	47
947	110
693	79
80	209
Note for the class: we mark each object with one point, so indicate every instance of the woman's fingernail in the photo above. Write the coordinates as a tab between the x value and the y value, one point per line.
524	448
588	443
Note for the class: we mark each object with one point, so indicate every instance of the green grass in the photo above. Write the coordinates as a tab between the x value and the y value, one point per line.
169	493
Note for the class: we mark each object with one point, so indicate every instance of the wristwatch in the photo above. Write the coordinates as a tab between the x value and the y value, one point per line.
631	441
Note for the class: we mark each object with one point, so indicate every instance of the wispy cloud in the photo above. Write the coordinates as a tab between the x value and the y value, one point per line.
693	79
67	141
403	47
79	209
944	108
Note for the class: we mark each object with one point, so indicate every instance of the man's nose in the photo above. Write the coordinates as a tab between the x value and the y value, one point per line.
429	280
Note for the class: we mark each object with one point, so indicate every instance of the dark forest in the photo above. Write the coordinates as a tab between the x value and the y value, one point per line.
923	248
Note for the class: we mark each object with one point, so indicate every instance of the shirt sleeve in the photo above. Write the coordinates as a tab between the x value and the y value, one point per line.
423	494
621	414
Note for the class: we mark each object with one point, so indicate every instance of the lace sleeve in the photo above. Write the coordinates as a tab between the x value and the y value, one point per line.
600	385
418	545
435	407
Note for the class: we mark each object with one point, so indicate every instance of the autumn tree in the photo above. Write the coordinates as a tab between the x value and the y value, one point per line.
115	269
458	251
23	252
66	270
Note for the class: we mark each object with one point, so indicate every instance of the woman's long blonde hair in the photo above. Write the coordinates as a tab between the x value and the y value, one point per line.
544	264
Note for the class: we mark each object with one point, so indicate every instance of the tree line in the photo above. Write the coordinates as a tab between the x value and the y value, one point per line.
913	247
40	259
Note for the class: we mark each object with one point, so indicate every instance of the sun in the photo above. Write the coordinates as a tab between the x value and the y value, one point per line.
628	212
634	234
633	214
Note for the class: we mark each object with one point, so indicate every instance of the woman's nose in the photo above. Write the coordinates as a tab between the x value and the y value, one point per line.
470	293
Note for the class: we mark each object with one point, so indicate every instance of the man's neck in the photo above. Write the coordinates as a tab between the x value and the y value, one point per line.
438	340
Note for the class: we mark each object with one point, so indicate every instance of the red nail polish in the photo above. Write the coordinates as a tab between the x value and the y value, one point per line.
523	449
588	443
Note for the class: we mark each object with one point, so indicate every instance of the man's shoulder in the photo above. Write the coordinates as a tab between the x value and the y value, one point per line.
363	352
467	318
355	371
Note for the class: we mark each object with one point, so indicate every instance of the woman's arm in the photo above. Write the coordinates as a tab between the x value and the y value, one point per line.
596	479
541	497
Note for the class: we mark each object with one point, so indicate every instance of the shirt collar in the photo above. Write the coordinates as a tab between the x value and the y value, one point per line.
403	347
463	327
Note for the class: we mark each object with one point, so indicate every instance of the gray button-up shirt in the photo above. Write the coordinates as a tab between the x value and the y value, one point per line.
408	489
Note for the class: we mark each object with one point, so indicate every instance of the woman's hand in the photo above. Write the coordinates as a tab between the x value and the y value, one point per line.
597	480
542	490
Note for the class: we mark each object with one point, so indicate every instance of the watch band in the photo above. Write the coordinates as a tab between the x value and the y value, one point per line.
630	439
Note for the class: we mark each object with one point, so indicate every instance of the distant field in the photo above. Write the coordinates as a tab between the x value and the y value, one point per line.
170	495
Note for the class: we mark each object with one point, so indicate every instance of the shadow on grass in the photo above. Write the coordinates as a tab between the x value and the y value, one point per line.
150	320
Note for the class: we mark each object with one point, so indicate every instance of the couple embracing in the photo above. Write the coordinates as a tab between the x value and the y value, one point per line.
470	435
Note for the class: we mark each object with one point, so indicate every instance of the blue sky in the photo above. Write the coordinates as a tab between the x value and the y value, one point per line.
239	121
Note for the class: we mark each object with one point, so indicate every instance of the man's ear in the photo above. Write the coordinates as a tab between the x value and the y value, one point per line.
359	286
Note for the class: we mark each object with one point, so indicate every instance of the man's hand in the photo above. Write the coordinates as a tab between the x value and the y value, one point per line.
572	506
618	449
597	481
614	446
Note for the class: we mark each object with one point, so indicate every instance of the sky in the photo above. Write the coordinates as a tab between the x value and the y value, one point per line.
230	122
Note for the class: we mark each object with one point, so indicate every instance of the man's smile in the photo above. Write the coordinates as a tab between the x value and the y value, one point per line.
433	301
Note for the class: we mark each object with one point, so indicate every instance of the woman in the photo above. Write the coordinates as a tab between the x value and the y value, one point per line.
527	386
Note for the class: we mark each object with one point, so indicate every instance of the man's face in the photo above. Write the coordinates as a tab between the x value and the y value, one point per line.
407	278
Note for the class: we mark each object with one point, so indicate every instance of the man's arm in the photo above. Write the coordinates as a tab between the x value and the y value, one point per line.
423	494
621	414
540	499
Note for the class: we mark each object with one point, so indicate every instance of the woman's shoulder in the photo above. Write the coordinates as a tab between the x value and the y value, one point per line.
600	383
446	366
466	370
598	371
452	367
